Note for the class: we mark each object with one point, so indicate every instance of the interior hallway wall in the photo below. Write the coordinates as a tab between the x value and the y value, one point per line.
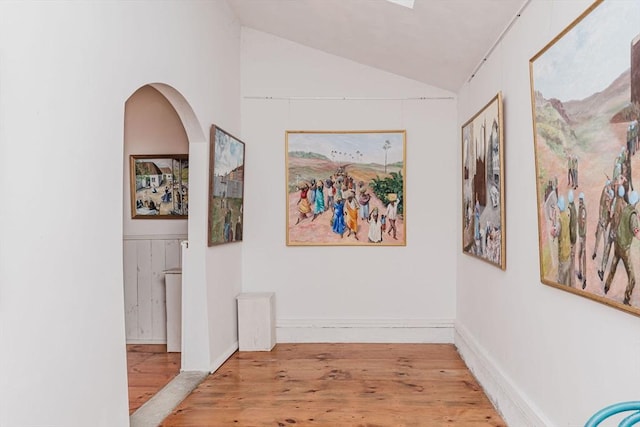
66	70
350	294
546	356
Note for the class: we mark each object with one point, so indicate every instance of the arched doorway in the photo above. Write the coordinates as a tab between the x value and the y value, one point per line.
158	123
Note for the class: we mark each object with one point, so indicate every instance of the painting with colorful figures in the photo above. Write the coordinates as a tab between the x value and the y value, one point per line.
159	186
226	187
483	215
585	90
346	188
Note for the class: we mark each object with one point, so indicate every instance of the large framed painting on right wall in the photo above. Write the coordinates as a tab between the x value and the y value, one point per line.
585	94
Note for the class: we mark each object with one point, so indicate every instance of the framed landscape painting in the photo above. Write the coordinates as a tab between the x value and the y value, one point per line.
226	187
483	207
346	188
159	186
585	90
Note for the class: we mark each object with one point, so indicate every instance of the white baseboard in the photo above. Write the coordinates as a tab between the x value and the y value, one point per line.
364	331
146	341
155	237
516	409
223	358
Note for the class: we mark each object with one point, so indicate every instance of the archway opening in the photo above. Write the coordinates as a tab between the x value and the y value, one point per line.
159	125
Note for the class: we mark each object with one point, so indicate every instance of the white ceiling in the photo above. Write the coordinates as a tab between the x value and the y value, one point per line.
439	42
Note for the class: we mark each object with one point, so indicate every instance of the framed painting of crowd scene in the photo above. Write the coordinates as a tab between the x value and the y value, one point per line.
346	188
483	203
159	186
585	90
226	187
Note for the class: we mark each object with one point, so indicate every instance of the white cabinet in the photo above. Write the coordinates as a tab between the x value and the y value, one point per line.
256	321
173	282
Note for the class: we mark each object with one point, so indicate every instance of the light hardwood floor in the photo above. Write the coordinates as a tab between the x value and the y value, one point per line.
372	385
149	368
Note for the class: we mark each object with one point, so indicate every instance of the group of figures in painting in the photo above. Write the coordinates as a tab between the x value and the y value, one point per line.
226	206
232	223
153	200
486	238
348	203
616	227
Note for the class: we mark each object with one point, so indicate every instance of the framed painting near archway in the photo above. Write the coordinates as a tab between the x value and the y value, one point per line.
483	206
226	187
346	188
585	94
159	186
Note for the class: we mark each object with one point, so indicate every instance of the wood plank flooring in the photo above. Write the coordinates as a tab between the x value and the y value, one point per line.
149	368
360	385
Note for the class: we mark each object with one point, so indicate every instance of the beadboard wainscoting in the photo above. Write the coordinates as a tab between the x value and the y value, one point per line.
145	260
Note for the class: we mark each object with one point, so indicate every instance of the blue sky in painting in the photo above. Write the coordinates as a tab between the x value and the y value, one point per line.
350	144
228	153
591	55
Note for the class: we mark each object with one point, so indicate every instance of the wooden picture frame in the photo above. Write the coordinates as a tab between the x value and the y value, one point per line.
226	187
159	186
346	188
585	99
483	204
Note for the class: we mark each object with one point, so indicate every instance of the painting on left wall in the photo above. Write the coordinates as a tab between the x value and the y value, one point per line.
226	187
159	186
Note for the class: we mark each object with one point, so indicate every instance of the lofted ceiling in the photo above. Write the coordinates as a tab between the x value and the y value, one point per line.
438	42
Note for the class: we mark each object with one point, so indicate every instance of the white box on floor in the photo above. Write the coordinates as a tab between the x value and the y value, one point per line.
173	283
256	321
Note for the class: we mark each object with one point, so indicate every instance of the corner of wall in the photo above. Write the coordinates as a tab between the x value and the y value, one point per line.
216	363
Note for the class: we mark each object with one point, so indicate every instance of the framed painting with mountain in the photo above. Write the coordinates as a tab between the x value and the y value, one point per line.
346	188
585	90
483	207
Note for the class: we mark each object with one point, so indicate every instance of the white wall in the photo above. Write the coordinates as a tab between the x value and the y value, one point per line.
348	293
546	356
66	70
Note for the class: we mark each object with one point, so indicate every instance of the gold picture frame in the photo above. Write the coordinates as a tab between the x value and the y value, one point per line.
346	188
483	201
159	186
585	100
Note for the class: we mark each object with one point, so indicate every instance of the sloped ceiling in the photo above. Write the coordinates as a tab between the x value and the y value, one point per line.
438	42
